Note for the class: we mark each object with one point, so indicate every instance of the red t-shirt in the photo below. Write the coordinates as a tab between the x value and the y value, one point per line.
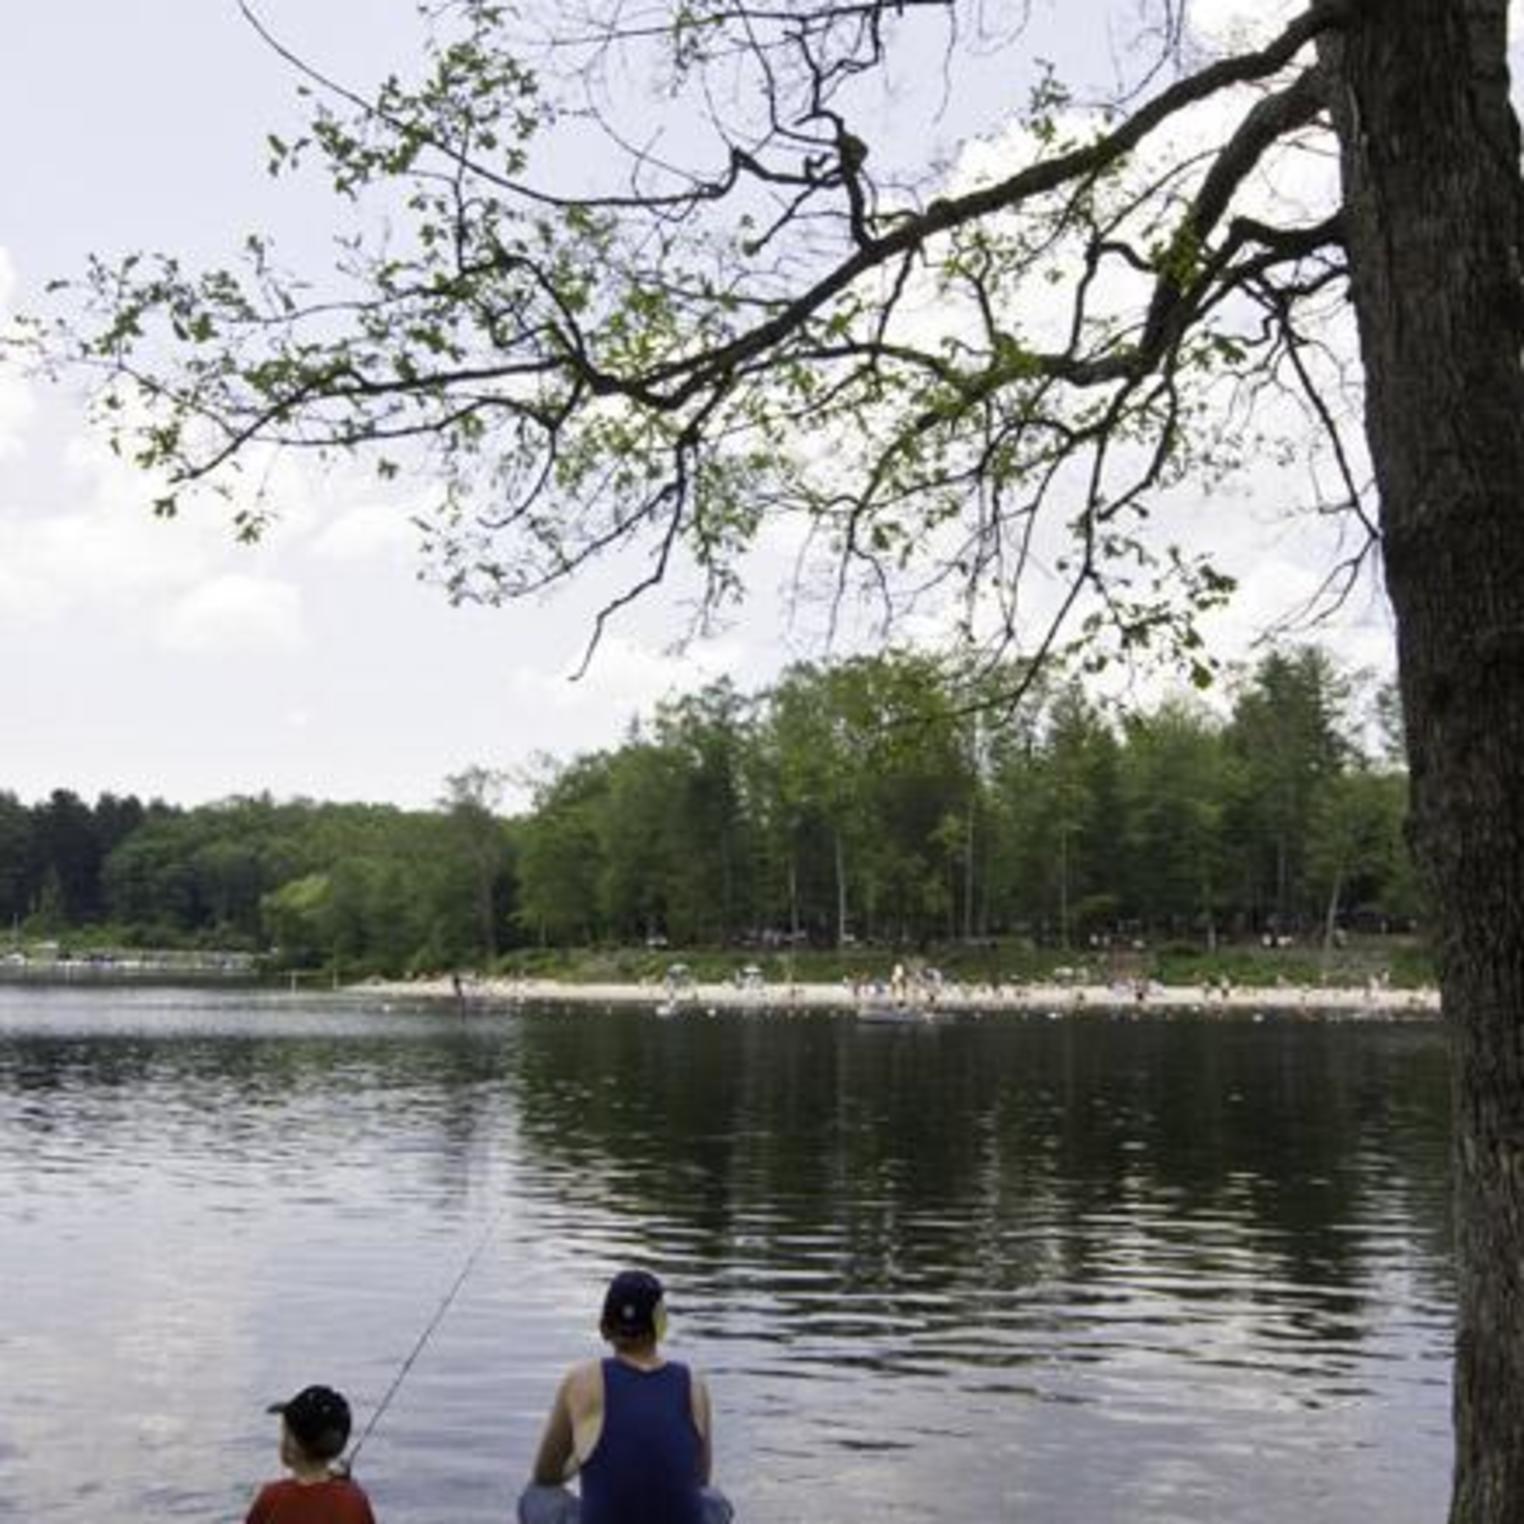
336	1501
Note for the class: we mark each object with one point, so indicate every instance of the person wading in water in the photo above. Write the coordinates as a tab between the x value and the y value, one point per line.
635	1427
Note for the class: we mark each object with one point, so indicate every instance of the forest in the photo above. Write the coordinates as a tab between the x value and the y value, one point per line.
866	801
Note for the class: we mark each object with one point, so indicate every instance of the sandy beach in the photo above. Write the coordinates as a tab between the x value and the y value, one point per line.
967	999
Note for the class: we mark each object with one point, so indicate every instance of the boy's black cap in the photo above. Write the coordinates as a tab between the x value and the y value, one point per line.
629	1305
318	1418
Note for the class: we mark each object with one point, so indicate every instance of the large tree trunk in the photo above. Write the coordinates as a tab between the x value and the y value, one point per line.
1433	197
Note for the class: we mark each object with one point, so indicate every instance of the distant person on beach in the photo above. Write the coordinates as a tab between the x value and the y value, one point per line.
635	1427
314	1428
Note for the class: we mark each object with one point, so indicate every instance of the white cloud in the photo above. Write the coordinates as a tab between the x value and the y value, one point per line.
104	550
234	614
1238	24
53	565
555	715
361	533
16	410
626	676
17	404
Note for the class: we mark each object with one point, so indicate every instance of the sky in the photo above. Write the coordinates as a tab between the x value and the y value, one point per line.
166	660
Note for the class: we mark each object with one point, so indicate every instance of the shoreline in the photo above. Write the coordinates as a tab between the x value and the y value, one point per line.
971	1000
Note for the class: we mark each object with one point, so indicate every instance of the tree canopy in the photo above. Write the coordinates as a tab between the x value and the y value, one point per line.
770	321
850	804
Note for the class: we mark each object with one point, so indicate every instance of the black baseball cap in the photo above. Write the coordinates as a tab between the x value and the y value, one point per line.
318	1419
630	1303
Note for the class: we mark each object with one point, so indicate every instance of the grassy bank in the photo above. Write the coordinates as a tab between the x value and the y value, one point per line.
1400	962
1404	963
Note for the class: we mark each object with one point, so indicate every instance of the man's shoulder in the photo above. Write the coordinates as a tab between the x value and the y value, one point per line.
584	1378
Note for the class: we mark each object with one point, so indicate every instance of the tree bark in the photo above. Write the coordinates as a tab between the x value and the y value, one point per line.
968	876
841	889
1331	924
1063	886
1432	192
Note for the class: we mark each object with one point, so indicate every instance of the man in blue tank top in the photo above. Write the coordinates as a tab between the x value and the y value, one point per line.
635	1427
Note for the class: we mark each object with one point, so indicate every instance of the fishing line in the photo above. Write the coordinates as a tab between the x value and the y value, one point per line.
426	1335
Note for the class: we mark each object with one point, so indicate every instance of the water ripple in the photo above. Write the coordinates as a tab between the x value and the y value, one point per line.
1154	1270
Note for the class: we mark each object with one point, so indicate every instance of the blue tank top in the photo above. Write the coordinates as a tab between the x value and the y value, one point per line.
645	1467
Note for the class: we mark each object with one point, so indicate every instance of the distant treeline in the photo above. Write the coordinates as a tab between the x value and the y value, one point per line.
370	885
874	799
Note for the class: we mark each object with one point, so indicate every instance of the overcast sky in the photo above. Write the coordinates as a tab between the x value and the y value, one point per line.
165	660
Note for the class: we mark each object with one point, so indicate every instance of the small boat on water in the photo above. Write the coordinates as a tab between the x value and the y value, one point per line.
882	1013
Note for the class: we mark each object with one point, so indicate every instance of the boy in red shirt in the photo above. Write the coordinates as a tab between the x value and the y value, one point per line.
313	1432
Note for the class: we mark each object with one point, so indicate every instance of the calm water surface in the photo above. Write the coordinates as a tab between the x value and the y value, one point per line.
1009	1269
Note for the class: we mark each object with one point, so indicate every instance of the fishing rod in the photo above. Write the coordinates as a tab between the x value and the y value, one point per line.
347	1465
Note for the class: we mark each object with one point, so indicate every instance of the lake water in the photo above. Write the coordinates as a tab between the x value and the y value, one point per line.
1005	1269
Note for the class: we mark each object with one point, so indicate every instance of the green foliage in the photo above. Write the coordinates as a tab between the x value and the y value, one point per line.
659	355
878	804
298	917
1288	734
371	885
